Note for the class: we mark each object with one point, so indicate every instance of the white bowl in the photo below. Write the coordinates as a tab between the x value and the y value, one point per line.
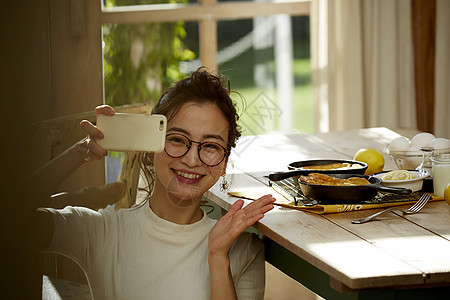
415	184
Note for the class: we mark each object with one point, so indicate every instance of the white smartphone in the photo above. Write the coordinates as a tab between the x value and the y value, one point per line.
132	132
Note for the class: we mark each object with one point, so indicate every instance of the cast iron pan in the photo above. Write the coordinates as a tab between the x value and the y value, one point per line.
344	194
296	168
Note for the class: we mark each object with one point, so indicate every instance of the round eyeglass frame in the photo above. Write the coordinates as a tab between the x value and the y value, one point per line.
200	144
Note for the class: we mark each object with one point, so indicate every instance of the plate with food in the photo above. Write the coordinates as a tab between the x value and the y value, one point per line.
412	179
344	188
324	166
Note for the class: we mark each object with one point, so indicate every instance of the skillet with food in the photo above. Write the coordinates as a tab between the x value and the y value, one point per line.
347	193
324	166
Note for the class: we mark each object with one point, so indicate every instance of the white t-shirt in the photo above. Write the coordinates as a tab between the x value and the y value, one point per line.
134	254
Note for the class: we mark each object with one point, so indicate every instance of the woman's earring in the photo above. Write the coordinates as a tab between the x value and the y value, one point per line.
224	184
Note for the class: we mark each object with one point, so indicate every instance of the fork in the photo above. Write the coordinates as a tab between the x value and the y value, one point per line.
412	210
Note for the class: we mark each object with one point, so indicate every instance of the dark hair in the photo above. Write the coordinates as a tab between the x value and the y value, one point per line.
200	87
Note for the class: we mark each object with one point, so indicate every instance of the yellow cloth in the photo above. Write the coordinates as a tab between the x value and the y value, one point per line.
285	201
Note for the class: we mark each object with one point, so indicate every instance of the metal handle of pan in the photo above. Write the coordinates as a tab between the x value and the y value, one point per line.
277	176
394	190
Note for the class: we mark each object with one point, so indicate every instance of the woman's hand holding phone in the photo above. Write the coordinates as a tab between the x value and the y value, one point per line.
94	150
123	132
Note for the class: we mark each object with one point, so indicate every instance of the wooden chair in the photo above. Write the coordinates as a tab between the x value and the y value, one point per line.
52	137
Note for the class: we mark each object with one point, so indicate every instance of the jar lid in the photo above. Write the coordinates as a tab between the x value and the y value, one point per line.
441	158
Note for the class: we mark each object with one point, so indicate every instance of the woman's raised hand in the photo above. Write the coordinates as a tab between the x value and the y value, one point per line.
93	149
236	221
222	237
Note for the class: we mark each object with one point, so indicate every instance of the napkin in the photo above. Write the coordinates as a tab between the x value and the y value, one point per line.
285	200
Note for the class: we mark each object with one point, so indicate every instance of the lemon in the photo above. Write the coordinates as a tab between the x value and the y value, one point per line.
447	194
372	158
397	175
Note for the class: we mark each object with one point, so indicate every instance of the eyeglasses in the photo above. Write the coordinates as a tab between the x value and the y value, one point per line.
210	153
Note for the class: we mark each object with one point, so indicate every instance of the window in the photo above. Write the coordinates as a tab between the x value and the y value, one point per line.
262	46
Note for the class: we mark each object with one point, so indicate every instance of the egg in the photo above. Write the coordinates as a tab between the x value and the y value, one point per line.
422	139
439	143
414	150
399	144
415	156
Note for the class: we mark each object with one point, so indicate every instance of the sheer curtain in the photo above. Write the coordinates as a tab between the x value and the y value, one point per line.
362	59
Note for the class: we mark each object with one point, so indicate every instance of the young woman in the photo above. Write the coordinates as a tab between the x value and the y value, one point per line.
166	247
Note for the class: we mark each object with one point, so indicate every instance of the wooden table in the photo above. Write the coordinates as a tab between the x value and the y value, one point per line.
398	257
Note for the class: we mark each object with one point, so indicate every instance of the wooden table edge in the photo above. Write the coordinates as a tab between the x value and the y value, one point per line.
349	283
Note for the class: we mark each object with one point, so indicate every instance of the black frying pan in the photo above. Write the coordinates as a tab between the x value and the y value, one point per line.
343	194
296	168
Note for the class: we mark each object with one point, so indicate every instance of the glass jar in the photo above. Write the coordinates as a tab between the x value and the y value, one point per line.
441	173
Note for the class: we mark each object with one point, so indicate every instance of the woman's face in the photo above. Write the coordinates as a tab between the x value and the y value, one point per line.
185	179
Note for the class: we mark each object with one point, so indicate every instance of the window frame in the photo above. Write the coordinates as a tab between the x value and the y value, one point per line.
207	13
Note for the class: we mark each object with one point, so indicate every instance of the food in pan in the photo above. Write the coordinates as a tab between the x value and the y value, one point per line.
333	166
396	175
322	179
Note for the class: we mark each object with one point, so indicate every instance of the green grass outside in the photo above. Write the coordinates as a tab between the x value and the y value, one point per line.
303	105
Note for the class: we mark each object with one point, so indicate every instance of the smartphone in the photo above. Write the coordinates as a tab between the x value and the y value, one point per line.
132	132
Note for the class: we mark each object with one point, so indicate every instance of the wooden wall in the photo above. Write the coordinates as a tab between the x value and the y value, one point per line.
51	67
75	70
25	85
76	86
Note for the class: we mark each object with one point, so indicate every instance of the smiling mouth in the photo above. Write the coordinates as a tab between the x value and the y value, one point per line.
188	175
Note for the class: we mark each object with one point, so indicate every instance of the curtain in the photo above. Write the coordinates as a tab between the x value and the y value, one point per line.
362	60
442	70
